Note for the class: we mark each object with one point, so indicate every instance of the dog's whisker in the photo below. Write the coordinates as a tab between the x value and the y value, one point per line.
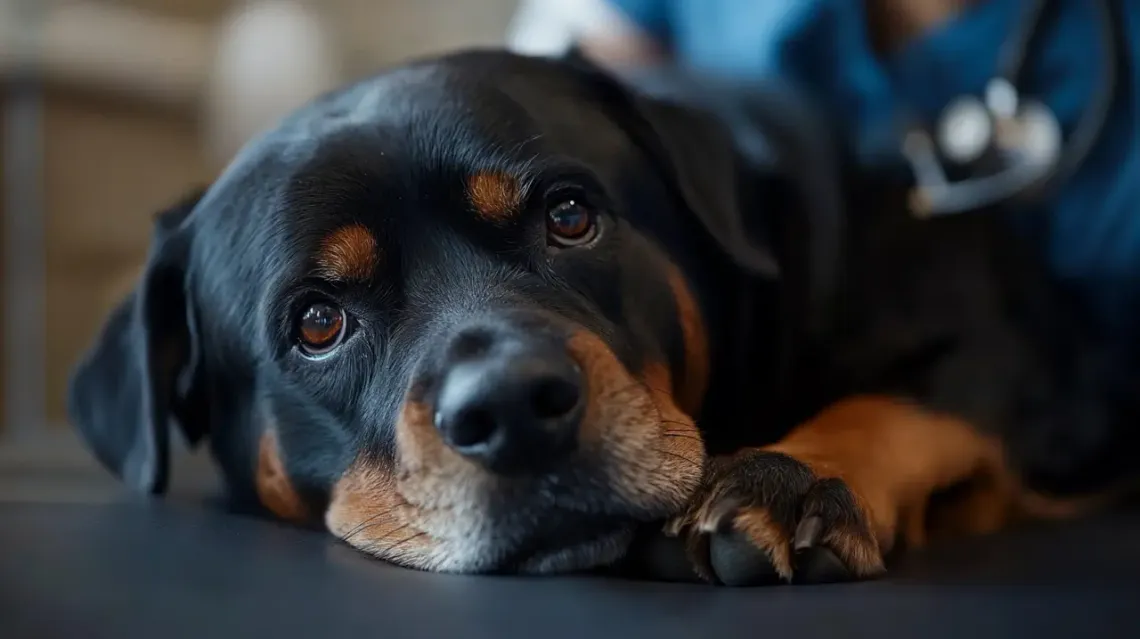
346	538
681	457
370	523
403	541
355	529
369	543
682	435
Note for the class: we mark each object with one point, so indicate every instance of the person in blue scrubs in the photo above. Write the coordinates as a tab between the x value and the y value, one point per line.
1090	225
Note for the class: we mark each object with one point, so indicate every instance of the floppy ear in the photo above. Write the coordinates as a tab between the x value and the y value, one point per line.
721	144
142	372
701	160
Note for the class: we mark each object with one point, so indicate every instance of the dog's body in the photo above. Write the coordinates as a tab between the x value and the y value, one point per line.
469	314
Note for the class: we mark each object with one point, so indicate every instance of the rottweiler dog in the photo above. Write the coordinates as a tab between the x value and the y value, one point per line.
491	313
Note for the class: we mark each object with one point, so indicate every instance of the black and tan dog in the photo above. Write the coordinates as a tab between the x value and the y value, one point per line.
491	313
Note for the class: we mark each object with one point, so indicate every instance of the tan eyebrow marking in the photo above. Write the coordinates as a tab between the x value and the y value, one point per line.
274	488
494	196
348	253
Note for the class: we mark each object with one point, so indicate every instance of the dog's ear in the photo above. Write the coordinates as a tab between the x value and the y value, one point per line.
142	372
700	158
692	148
732	148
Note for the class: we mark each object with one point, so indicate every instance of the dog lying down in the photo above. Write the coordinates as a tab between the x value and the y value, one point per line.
487	313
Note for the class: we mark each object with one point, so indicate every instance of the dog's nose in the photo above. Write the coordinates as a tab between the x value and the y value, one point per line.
512	412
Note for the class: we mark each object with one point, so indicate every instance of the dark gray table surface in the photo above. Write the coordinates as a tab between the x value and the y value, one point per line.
131	567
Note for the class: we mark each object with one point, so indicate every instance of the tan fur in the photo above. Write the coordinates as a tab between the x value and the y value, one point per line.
655	449
274	490
857	552
893	455
985	506
368	512
430	505
348	254
758	525
494	196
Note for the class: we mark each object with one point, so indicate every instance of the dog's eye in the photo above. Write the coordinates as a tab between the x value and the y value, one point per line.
571	223
321	328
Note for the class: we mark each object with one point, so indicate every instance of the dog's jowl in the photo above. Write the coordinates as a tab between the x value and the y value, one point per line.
486	313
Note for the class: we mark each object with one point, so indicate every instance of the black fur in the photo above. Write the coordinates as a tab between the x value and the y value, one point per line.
953	313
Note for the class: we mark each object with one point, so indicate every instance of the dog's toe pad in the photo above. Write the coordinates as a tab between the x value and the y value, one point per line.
737	561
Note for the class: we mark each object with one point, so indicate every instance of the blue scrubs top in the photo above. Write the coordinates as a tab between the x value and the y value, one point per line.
1094	230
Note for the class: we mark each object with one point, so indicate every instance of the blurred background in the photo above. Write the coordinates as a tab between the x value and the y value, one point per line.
112	109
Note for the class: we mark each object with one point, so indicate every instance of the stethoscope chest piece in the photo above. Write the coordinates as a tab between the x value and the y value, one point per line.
1003	147
1021	139
965	130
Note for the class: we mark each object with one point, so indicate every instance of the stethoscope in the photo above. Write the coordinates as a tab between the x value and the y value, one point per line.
1010	147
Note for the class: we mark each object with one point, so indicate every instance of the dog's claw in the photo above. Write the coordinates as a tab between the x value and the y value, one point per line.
764	518
807	533
719	519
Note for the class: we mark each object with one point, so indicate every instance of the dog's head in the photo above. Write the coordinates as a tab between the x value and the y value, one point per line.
439	312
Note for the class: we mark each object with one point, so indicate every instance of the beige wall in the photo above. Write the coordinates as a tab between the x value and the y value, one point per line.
386	30
111	163
108	168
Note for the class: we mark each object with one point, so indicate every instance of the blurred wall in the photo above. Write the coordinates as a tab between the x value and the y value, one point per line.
125	135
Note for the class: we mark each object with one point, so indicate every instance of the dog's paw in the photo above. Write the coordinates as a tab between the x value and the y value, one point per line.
764	517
